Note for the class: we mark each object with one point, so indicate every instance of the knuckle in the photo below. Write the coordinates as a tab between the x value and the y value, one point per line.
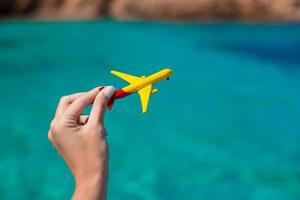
64	99
104	132
56	125
102	129
50	137
53	124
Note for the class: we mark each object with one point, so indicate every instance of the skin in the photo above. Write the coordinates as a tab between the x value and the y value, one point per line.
81	141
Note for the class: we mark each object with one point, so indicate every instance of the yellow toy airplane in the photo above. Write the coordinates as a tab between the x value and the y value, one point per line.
141	85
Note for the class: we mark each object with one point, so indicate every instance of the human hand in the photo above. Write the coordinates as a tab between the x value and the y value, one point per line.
81	140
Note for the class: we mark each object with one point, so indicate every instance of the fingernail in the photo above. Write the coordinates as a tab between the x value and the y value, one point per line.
101	88
109	91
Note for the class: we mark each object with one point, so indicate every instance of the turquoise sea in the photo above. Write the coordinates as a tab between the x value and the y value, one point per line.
226	126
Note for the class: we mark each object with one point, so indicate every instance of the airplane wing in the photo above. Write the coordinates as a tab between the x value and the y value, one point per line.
144	94
127	77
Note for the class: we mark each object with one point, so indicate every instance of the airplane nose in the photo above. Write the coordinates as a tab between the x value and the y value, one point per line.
169	71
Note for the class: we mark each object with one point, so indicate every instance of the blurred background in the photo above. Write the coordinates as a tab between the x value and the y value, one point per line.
226	126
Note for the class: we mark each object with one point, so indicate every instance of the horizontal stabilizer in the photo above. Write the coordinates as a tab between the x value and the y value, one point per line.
127	77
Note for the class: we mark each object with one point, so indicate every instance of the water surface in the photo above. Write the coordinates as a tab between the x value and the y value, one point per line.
226	126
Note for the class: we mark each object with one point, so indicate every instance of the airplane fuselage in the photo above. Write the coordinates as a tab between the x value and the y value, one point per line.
149	80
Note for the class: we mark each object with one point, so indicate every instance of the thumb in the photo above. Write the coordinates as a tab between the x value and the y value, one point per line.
99	106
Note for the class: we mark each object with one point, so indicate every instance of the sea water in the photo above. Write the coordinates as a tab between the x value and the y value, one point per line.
226	126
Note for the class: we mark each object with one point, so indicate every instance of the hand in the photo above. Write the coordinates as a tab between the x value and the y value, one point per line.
81	140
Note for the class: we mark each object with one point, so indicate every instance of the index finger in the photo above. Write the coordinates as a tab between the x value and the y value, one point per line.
77	107
64	103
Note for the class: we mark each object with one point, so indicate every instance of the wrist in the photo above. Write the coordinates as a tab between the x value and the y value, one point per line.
91	187
91	183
